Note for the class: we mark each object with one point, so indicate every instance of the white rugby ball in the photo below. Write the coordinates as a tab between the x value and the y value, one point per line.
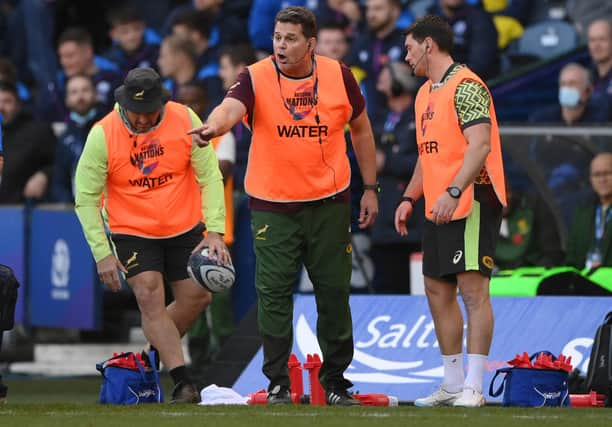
207	273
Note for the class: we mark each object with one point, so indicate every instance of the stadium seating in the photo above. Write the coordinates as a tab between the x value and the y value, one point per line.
542	40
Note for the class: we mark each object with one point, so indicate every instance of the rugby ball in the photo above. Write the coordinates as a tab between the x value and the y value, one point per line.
207	273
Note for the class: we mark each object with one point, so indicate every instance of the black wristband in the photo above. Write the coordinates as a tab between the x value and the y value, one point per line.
408	199
373	187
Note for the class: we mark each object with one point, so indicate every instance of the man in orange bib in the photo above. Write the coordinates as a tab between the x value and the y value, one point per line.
297	104
460	173
157	187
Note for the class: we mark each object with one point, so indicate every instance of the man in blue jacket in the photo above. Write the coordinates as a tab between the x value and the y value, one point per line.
133	44
83	113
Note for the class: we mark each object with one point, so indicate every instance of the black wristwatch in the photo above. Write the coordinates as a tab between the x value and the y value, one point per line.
455	192
373	187
408	199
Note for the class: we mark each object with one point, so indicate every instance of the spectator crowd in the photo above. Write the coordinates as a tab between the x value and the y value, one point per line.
60	64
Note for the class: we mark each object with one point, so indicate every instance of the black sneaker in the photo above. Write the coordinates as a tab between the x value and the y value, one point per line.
185	393
279	395
335	397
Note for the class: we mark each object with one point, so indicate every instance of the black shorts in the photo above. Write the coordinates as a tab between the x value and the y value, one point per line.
168	256
467	244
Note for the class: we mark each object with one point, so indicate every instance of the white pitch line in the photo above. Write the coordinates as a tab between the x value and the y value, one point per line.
68	413
537	417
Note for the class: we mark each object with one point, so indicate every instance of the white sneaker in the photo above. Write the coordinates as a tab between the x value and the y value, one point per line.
470	398
440	397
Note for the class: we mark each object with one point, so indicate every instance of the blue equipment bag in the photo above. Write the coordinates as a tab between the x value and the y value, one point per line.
127	382
532	387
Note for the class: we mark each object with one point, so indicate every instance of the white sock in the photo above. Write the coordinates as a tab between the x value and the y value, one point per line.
476	367
453	372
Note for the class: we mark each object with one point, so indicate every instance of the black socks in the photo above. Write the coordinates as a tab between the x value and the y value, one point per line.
180	374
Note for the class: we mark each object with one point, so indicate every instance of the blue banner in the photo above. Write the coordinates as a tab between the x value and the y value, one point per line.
63	284
12	253
396	351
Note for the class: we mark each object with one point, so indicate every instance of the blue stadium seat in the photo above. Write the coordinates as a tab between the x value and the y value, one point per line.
419	7
546	39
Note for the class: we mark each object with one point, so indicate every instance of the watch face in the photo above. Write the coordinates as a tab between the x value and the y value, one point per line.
454	192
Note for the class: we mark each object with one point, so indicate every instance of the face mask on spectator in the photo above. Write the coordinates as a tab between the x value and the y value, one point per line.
569	97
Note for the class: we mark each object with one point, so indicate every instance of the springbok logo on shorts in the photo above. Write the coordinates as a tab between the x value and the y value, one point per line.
130	262
259	234
487	261
457	257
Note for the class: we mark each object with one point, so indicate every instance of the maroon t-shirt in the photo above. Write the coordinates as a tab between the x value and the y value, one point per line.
242	90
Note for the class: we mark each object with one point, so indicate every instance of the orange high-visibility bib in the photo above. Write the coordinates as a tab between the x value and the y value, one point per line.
151	188
442	145
292	156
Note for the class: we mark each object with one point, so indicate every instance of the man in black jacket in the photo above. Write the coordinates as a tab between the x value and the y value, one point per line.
29	147
396	158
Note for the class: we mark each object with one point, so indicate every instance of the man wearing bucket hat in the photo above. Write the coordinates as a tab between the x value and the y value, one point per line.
156	186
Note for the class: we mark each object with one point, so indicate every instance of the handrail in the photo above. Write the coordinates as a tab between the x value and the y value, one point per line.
526	69
555	130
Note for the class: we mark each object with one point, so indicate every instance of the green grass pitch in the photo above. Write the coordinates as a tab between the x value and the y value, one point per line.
71	402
